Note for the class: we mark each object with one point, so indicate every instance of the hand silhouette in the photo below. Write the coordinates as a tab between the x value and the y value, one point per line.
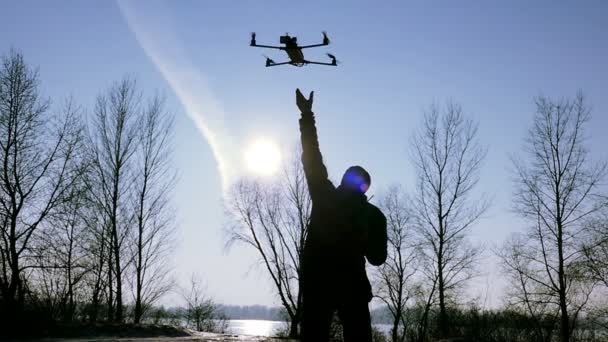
304	104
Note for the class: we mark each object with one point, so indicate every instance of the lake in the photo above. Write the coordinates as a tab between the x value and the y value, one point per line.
255	327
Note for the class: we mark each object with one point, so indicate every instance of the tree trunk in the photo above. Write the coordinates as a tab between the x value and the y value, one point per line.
137	314
116	247
395	330
139	265
424	323
11	296
443	318
563	305
97	288
138	304
110	292
119	315
69	314
425	316
13	302
293	327
13	307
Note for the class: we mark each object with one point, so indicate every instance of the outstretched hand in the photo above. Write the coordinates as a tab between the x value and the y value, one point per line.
304	104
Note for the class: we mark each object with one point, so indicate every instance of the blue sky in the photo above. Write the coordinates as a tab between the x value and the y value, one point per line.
492	57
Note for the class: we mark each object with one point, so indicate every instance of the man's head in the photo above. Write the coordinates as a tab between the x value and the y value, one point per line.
357	179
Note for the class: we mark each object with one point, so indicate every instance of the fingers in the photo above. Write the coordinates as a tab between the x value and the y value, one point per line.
299	96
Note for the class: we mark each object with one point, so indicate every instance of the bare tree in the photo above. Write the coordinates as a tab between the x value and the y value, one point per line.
202	313
60	253
525	292
595	249
96	246
38	154
273	219
154	180
556	191
425	299
395	278
447	157
114	142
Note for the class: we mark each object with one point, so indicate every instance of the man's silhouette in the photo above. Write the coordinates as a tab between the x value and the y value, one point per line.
344	230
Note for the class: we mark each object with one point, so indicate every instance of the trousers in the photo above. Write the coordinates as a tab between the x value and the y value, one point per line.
317	315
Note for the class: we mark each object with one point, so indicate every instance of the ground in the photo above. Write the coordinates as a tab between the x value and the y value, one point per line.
196	337
104	332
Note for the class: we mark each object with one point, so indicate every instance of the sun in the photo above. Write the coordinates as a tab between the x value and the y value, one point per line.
263	157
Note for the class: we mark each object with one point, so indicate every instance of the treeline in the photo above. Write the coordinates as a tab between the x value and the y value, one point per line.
229	312
472	323
85	222
556	268
261	312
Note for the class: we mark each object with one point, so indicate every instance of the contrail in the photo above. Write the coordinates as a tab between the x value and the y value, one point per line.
153	28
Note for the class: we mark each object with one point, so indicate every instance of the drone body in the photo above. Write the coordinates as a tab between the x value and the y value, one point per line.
294	51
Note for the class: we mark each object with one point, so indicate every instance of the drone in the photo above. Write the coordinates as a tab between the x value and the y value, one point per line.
294	51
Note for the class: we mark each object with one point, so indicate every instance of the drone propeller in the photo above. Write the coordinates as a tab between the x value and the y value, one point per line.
333	58
325	38
252	38
268	60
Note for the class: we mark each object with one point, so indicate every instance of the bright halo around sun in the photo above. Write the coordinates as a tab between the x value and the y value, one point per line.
263	157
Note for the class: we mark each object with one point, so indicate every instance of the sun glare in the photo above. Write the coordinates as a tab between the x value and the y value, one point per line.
263	157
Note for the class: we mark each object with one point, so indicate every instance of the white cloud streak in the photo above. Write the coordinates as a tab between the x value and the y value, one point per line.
153	27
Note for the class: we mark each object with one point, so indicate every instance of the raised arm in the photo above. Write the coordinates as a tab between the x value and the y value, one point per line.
316	172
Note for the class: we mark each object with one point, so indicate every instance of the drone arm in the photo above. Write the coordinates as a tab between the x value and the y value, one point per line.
321	63
268	46
311	46
325	42
275	64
